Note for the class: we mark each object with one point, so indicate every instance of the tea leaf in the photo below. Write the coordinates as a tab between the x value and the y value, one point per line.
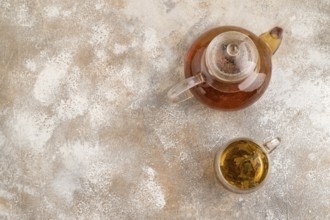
238	160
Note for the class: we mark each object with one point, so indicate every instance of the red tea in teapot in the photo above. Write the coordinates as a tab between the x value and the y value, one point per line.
229	68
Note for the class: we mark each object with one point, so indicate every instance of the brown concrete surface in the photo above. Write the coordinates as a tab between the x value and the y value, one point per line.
86	131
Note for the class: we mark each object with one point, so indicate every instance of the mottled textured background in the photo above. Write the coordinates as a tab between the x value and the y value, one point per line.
87	132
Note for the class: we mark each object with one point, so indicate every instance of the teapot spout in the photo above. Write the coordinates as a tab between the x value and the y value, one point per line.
272	38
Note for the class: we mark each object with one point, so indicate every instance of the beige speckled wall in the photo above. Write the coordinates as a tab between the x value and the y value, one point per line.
86	131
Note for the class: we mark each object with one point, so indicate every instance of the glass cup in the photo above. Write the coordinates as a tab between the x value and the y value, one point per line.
242	165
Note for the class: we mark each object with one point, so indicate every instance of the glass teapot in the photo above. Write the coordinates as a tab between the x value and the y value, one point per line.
228	68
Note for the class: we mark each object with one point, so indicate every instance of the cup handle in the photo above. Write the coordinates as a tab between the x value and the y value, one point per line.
178	93
272	144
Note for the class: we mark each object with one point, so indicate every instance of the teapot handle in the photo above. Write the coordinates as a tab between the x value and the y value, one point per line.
179	92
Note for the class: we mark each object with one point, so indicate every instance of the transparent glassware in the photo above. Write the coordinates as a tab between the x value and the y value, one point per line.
228	68
242	165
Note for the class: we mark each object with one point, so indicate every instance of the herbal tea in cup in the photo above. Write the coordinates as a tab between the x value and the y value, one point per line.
242	166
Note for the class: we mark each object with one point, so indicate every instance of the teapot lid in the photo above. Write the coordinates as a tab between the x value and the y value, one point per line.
231	56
